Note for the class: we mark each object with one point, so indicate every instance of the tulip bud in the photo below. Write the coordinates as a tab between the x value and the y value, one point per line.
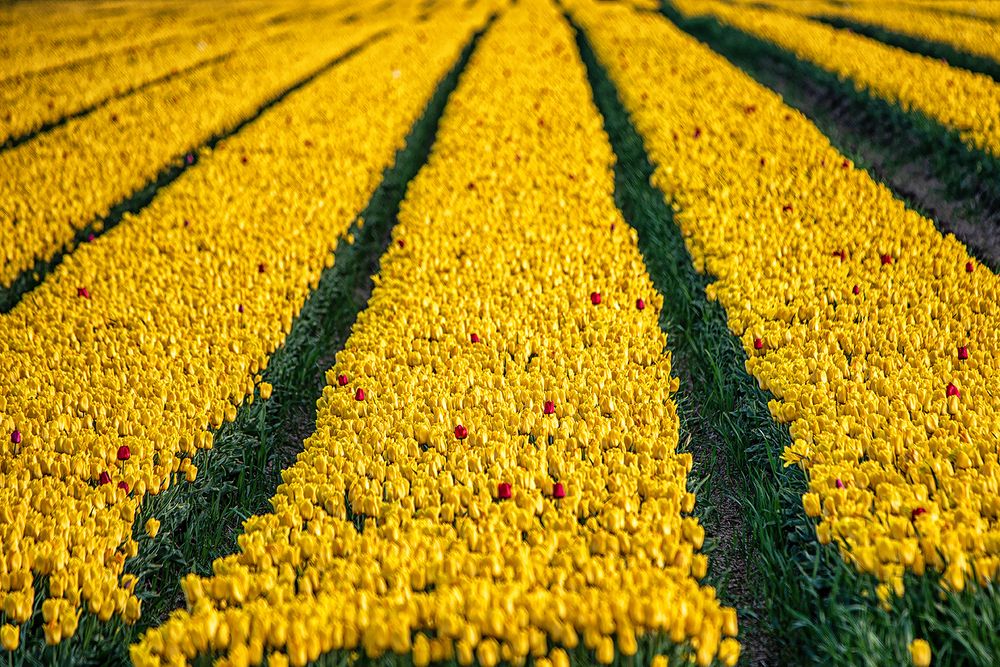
558	490
503	491
640	304
124	453
15	437
758	344
595	298
461	432
963	353
359	395
105	478
474	338
82	291
952	390
550	408
342	379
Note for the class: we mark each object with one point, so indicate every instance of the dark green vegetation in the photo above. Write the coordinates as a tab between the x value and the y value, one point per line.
238	476
140	199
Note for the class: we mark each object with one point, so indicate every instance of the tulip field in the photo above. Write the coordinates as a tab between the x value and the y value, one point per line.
482	332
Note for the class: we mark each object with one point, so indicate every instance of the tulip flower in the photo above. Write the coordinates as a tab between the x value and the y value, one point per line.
124	453
963	353
461	432
787	208
342	379
640	304
105	478
123	485
261	268
758	344
400	243
840	484
595	298
550	408
558	490
359	395
15	437
82	292
968	267
503	491
474	338
952	390
886	259
917	511
189	158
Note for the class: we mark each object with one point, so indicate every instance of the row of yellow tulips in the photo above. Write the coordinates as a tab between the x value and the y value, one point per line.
975	36
960	100
114	370
31	101
45	36
63	180
877	336
494	475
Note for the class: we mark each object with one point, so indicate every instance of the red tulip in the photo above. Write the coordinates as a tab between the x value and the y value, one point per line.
240	308
474	338
968	267
189	158
841	254
787	208
886	259
758	344
697	132
82	291
963	353
917	511
856	290
461	432
952	390
845	164
261	268
187	223
123	485
550	408
840	484
15	437
503	491
342	379
124	453
90	237
244	159
359	395
558	490
105	478
595	298
400	243
640	304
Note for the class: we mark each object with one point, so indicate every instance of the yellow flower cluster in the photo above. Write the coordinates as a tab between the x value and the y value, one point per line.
877	336
976	36
39	36
494	475
30	101
964	101
113	370
63	180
